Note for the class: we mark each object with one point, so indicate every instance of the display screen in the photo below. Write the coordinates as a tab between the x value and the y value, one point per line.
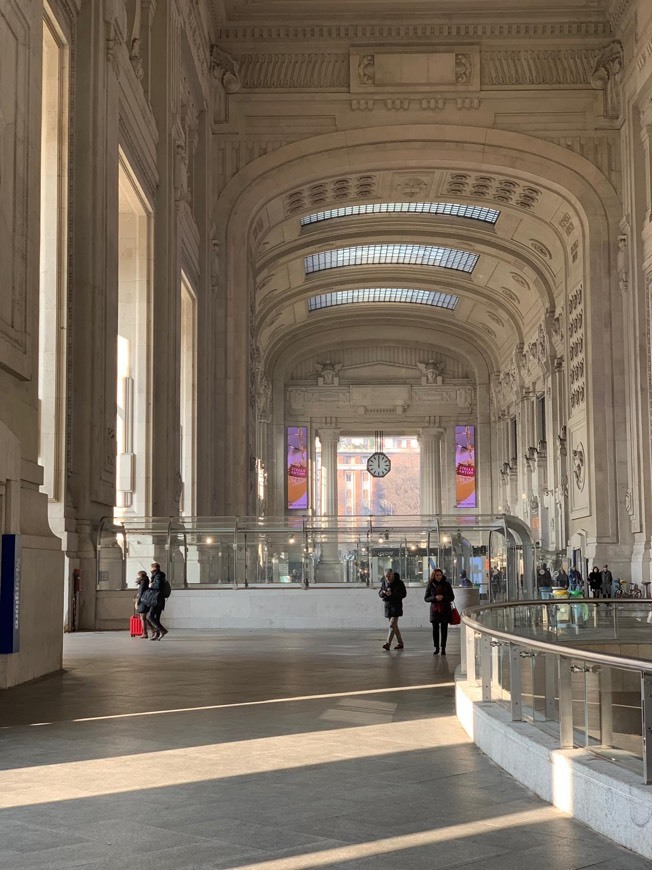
465	467
297	464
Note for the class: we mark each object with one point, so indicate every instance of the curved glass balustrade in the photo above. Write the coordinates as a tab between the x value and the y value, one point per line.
578	669
496	552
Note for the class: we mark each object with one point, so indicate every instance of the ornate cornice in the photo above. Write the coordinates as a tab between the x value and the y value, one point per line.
391	32
331	70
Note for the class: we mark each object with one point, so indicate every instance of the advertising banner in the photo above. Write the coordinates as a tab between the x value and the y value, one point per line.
10	594
465	496
297	467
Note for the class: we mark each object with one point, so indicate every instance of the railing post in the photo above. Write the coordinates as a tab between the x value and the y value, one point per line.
463	633
646	715
515	682
550	668
565	703
606	709
471	675
485	666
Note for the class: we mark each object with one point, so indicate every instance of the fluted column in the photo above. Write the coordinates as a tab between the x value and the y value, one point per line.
430	470
329	439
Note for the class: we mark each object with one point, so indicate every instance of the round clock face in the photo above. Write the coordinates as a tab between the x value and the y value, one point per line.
378	465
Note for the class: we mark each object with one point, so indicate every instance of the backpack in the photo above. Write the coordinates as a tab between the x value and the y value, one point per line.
166	588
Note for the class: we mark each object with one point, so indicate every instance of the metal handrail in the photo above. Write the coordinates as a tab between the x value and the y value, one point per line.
560	656
610	659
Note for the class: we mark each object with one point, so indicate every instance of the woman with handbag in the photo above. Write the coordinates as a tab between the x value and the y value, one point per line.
440	595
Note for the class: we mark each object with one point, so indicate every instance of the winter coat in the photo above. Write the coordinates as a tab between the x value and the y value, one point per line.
595	581
393	594
440	611
143	586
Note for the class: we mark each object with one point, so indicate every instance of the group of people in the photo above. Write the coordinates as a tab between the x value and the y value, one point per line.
440	596
602	583
150	601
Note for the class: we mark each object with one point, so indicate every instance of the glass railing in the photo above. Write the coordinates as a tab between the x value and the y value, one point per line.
578	669
496	552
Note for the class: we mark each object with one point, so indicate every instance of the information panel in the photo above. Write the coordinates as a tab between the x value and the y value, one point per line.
465	496
10	594
297	466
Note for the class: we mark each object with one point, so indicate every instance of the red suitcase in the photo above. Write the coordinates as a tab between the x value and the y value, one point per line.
135	626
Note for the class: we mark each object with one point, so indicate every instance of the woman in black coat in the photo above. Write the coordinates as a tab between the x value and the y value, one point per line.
439	593
392	591
595	582
141	608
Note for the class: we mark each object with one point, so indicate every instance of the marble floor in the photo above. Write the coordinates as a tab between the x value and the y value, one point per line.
279	751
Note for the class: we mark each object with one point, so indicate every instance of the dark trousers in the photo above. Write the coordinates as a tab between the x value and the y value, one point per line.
154	618
436	624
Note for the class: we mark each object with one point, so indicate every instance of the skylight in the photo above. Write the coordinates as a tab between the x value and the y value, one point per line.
474	212
383	294
400	254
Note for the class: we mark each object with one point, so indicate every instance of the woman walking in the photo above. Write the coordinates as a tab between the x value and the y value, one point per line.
439	593
141	608
392	591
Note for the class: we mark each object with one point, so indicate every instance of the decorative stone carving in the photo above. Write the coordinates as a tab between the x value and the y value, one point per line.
423	32
493	187
576	340
431	372
215	264
540	249
622	263
331	190
557	67
509	294
328	372
463	68
629	502
412	186
366	69
520	280
417	68
226	80
579	471
607	74
293	70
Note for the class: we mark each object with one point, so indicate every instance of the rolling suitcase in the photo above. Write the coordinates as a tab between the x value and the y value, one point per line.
135	626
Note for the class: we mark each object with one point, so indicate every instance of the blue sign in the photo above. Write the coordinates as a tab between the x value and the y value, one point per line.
10	594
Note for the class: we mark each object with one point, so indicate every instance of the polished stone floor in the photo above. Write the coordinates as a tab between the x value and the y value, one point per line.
279	751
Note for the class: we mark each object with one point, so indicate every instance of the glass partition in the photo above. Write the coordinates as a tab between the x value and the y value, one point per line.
306	550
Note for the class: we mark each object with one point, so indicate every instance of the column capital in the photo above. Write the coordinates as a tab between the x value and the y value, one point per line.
430	433
328	434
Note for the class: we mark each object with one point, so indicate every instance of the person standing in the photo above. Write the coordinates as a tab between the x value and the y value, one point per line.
158	584
142	581
392	591
439	593
607	582
595	582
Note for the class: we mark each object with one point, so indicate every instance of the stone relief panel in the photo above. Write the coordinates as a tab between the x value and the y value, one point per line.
415	68
576	351
365	364
15	38
333	190
377	399
578	471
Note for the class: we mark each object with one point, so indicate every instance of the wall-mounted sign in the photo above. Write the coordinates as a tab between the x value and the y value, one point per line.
297	467
10	594
465	495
